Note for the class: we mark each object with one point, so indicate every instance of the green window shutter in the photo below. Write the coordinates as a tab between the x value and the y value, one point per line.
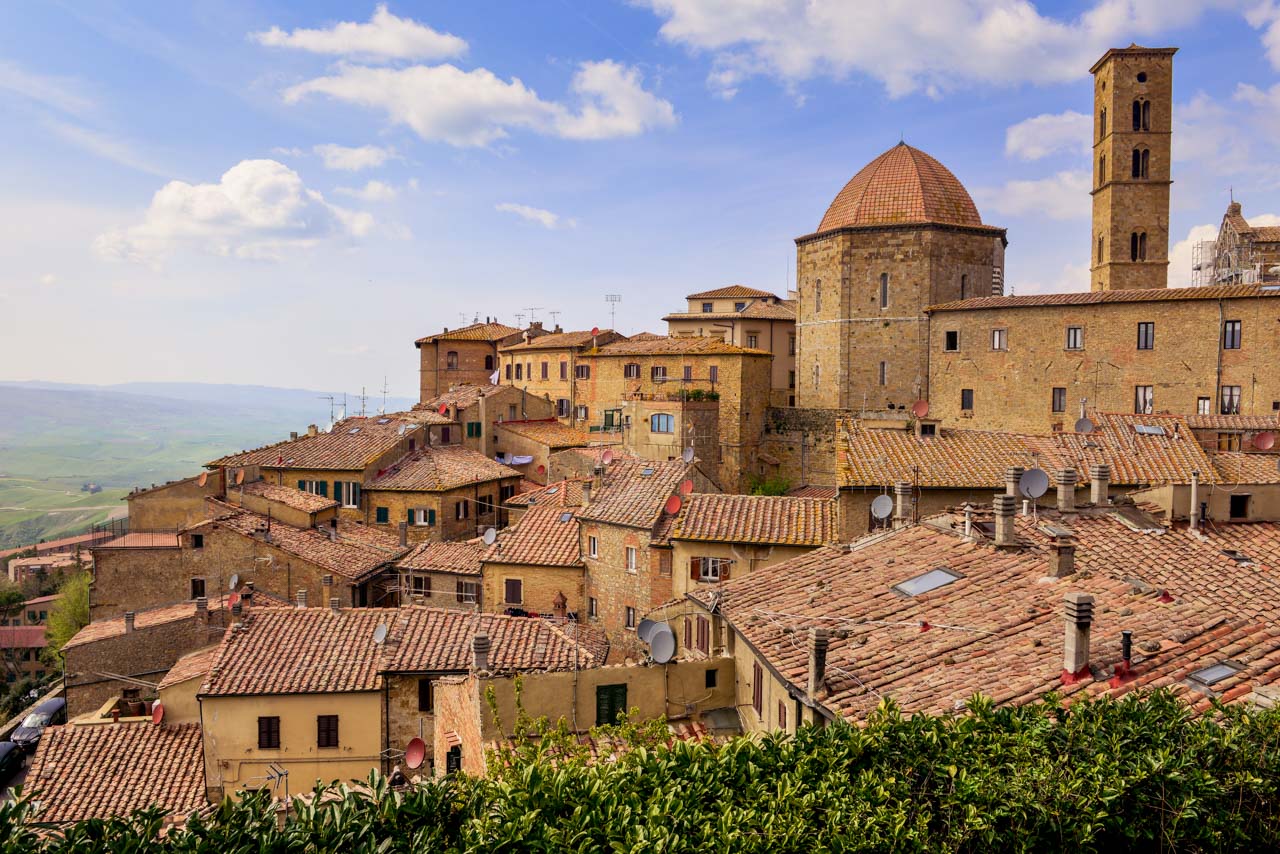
383	515
322	488
409	516
355	493
302	484
337	491
431	517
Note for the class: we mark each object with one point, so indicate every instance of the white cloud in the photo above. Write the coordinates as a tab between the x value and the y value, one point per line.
374	191
929	47
60	93
1069	278
1062	196
384	37
475	108
1180	254
1266	17
353	159
1050	133
542	217
257	210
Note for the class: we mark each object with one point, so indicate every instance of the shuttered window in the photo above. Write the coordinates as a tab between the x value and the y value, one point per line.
268	733
326	730
757	689
514	591
611	701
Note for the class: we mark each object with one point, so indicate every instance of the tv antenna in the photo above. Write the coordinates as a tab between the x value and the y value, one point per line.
519	319
329	398
613	300
363	397
463	315
383	410
531	311
555	317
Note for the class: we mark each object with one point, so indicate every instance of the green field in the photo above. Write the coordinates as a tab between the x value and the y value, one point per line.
47	509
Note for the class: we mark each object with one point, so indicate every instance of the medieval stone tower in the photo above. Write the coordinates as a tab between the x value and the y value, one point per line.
1132	127
902	234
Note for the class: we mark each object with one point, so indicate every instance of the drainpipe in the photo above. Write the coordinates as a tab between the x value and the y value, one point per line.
1195	501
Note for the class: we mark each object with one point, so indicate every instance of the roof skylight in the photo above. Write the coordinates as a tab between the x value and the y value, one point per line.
1215	673
1148	430
931	580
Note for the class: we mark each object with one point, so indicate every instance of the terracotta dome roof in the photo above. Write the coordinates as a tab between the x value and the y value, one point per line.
903	185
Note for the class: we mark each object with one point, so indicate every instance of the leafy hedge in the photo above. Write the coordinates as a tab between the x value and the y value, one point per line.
1139	773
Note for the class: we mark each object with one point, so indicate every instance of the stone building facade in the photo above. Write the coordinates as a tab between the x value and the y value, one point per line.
466	355
548	365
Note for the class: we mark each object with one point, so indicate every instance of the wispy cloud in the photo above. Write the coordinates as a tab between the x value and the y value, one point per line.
61	93
353	159
385	36
541	216
104	145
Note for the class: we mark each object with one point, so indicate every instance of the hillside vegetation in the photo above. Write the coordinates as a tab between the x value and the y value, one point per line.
1137	774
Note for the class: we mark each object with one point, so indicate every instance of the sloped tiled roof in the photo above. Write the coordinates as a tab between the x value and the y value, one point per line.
459	558
288	496
551	433
474	332
562	493
461	396
634	492
778	520
756	310
565	341
691	344
997	628
190	666
440	468
1209	292
23	637
1237	467
810	491
109	770
144	619
340	449
440	639
1233	422
903	185
544	536
357	553
732	292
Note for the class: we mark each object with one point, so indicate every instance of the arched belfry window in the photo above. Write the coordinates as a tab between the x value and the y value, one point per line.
884	290
1099	248
1137	164
1102	170
1137	115
964	289
1102	123
1138	246
1146	163
1146	115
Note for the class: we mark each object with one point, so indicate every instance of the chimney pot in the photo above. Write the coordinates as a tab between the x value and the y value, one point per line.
1062	557
1005	506
237	609
1194	515
586	493
902	503
1012	476
334	604
128	621
480	650
1067	490
302	598
202	605
819	642
312	430
293	435
1099	483
1079	620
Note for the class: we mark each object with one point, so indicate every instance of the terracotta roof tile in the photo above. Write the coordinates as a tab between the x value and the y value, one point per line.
1100	297
114	627
544	536
288	496
1244	468
562	493
1233	422
458	558
779	520
903	185
755	309
340	449
634	492
550	432
109	770
141	540
461	396
635	346
474	332
22	637
566	341
440	468
814	492
191	666
732	292
440	639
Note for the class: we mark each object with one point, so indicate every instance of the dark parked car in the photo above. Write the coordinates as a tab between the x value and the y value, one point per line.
48	713
10	761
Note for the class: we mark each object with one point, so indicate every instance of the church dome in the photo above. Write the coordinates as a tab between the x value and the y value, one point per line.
903	185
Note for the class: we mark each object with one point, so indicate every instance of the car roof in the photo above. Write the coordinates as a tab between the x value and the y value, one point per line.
51	705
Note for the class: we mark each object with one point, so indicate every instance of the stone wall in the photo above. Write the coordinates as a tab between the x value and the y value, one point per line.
803	441
540	586
477	360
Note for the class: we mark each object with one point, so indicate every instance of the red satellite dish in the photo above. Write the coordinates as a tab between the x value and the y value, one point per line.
415	752
920	408
595	330
686	487
606	457
203	479
157	713
444	409
542	469
673	505
1264	441
233	599
240	477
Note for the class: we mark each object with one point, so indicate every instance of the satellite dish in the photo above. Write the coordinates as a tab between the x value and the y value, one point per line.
1084	425
673	505
920	408
380	633
595	330
444	409
645	629
490	536
542	469
1033	483
157	713
606	457
662	643
686	487
687	455
415	752
1264	441
233	599
240	477
882	506
203	479
235	581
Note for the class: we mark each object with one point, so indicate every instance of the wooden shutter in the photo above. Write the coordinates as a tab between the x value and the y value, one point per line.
302	485
695	568
337	491
724	570
355	486
326	730
426	696
410	516
322	488
431	517
757	688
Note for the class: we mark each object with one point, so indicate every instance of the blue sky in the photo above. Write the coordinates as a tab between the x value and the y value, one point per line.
289	194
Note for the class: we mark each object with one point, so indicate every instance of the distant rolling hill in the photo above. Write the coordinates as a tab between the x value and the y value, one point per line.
55	437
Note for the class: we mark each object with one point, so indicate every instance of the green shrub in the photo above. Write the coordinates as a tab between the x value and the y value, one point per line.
770	485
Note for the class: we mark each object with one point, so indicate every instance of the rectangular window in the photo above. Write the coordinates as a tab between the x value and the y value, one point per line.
582	413
713	373
631	617
562	407
1228	441
662	423
468	592
197	590
951	341
782	714
382	515
511	412
508	370
197	541
688	373
564	370
611	701
709	678
966	399
544	370
485	505
791	379
427	696
1059	399
1146	336
421	586
791	345
884	373
884	290
1204	406
268	733
1231	335
473	430
658	373
757	688
1144	399
593	610
513	591
423	516
1075	337
999	339
582	372
709	568
753	340
1239	506
631	559
593	546
1231	400
461	510
326	730
519	371
348	492
631	371
706	308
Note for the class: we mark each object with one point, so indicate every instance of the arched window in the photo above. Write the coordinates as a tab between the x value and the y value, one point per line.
1099	248
1133	246
488	363
1102	123
1146	115
1102	170
1137	115
1142	246
964	292
884	290
1137	164
451	360
1138	246
1146	163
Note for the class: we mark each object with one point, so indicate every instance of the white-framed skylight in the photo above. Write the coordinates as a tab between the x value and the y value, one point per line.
931	580
1215	673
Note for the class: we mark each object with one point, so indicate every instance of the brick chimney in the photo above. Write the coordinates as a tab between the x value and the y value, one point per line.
480	651
1067	490
1075	650
819	642
128	621
586	493
1006	507
312	430
560	607
293	435
1012	475
202	608
1099	483
1062	557
902	503
335	604
302	598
